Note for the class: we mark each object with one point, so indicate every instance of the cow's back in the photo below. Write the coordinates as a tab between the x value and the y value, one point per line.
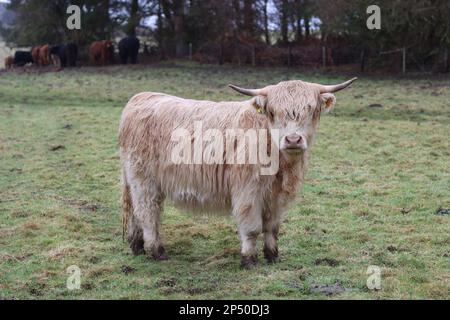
146	128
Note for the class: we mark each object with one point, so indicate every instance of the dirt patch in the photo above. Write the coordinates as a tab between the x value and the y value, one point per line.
327	289
31	226
166	282
375	105
36	289
83	205
405	211
392	249
18	213
99	272
443	211
67	126
127	269
196	291
94	260
90	207
87	286
57	147
327	261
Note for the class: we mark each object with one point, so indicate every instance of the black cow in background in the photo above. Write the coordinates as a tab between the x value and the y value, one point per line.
66	53
129	49
21	58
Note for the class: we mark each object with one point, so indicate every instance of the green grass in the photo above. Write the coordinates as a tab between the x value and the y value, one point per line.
376	178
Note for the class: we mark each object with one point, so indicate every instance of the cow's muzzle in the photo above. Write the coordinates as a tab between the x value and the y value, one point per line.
294	143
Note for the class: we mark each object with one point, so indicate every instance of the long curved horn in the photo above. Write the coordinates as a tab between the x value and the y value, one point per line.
336	87
248	92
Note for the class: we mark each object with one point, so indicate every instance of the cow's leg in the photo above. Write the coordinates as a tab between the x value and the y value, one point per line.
271	227
135	236
147	207
248	213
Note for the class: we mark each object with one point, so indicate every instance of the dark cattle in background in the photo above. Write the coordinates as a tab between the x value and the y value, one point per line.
129	49
66	53
21	58
54	54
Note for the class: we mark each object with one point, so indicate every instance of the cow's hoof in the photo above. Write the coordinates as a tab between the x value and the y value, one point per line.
137	249
159	254
137	246
249	262
273	259
271	255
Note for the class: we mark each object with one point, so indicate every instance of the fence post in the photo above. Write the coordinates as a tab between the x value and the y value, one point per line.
221	54
253	56
190	50
324	56
363	60
404	60
446	60
289	55
239	55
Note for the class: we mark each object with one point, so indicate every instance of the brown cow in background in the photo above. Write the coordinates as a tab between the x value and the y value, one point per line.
101	52
44	55
41	55
35	54
9	62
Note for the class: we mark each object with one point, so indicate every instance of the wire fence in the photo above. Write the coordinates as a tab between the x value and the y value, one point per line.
398	60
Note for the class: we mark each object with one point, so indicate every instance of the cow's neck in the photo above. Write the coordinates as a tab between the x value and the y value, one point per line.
291	174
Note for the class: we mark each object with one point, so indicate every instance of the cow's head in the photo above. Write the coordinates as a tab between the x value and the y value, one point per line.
294	108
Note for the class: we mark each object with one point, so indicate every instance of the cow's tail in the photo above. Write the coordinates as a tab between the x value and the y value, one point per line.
127	205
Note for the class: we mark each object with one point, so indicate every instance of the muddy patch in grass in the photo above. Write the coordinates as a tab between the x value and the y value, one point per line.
166	282
84	205
327	289
327	262
57	147
36	289
127	269
443	211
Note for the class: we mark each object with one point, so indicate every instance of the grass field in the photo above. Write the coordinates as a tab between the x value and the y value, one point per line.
377	177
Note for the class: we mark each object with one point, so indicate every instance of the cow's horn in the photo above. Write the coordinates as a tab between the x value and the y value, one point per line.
248	92
336	87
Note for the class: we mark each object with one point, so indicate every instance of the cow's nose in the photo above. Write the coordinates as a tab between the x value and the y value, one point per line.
293	139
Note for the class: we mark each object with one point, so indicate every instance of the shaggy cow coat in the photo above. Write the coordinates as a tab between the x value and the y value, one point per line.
256	201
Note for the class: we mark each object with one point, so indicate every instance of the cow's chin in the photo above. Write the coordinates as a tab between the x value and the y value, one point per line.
292	152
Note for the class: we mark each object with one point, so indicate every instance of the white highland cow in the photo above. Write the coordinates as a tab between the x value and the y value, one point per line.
180	149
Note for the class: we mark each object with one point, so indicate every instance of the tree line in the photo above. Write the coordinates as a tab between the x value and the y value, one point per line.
176	27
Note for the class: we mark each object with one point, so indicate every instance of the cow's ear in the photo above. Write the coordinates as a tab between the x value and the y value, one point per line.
260	104
328	101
